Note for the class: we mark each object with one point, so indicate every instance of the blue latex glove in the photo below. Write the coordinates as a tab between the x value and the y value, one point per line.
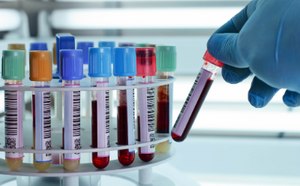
263	39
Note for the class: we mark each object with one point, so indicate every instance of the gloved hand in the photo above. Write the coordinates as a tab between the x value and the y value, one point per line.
263	39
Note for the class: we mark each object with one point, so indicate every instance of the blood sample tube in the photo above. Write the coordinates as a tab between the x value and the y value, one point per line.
63	41
38	46
13	72
125	71
146	69
166	66
41	75
71	74
100	71
196	97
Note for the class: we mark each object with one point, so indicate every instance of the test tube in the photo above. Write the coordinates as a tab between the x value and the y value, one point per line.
41	75
71	74
100	71
63	41
13	72
166	66
125	71
146	69
196	97
38	46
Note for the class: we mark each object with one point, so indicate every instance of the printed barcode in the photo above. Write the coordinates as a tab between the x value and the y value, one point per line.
76	115
107	118
47	116
11	113
151	109
188	98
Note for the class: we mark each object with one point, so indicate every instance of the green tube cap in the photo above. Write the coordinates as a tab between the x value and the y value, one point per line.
13	64
166	58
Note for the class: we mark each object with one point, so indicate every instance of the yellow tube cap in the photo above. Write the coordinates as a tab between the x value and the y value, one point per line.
54	53
40	66
16	46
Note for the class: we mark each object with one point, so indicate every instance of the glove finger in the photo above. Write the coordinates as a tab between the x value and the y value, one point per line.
260	94
235	75
235	24
223	44
291	99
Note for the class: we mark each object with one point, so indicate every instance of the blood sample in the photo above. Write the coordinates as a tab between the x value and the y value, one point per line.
71	74
38	46
146	70
125	70
196	97
100	71
63	41
166	66
13	72
41	75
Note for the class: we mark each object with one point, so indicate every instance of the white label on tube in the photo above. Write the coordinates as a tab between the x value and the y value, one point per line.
42	125
191	102
103	120
146	101
72	123
130	113
13	122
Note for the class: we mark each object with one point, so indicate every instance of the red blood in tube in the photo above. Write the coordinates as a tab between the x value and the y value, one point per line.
163	117
125	157
144	157
99	162
194	112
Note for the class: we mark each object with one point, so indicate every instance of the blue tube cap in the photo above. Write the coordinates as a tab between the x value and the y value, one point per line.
71	64
84	46
110	44
38	46
125	61
63	41
100	62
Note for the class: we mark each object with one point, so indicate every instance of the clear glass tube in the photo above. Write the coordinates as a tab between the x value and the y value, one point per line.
194	101
71	132
126	120
164	110
100	122
41	121
146	118
14	101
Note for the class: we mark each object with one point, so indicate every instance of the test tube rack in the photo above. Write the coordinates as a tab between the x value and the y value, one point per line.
86	168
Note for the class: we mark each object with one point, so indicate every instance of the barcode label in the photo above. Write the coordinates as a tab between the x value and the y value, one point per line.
72	123
146	102
130	113
103	121
13	122
42	125
191	101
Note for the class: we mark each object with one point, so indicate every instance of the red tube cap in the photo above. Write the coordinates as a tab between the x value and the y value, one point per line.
211	59
146	61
